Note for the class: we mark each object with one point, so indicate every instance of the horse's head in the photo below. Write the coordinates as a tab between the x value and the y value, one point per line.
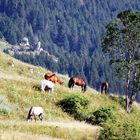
60	81
29	114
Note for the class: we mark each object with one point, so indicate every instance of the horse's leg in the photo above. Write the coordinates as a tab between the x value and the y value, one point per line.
52	89
106	89
35	118
40	117
31	118
42	86
72	85
82	89
49	91
103	90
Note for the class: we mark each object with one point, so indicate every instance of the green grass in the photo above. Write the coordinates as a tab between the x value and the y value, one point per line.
16	89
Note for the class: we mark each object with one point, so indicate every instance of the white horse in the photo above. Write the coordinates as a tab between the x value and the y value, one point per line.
47	85
35	111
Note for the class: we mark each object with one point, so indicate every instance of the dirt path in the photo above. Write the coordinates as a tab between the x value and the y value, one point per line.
64	124
81	126
22	136
75	125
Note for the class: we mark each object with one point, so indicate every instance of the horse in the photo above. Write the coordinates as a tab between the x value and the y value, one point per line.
35	111
77	81
53	77
47	85
104	87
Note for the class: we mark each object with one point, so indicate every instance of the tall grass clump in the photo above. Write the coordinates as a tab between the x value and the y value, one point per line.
5	108
120	100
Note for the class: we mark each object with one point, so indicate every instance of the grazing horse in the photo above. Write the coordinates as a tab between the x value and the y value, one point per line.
35	111
77	81
104	87
47	85
53	77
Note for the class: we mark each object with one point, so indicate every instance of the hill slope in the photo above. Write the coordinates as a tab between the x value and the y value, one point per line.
17	95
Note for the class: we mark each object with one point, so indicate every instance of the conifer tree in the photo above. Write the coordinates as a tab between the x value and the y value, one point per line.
122	44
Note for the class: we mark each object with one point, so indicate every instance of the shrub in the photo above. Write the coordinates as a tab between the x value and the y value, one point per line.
74	104
4	105
125	131
100	116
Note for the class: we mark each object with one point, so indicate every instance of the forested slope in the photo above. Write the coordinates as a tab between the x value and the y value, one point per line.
69	30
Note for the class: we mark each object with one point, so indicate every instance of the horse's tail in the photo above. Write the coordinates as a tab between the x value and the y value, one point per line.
70	82
29	113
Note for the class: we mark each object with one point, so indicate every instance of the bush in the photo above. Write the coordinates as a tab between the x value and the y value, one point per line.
74	104
125	131
4	105
100	116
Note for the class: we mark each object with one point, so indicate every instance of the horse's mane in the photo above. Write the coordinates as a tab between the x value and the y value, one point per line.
52	75
29	113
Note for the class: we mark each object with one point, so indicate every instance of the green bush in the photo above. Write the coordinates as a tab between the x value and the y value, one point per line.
125	131
74	104
100	116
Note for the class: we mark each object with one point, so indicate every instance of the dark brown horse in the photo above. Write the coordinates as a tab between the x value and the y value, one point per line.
104	87
53	77
77	81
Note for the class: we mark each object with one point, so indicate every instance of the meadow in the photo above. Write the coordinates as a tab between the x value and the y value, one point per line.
17	95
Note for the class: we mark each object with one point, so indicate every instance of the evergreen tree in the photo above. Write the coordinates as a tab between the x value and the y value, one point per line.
122	44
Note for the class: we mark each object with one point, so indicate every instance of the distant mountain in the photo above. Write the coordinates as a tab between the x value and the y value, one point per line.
70	30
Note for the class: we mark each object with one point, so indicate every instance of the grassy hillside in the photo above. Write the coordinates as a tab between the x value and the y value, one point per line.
17	95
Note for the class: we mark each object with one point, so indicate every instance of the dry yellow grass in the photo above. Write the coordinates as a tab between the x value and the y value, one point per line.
16	85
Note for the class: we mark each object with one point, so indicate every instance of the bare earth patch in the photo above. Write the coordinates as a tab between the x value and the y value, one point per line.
76	125
23	136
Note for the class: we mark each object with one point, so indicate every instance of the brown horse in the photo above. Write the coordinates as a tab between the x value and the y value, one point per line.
77	81
104	87
53	77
